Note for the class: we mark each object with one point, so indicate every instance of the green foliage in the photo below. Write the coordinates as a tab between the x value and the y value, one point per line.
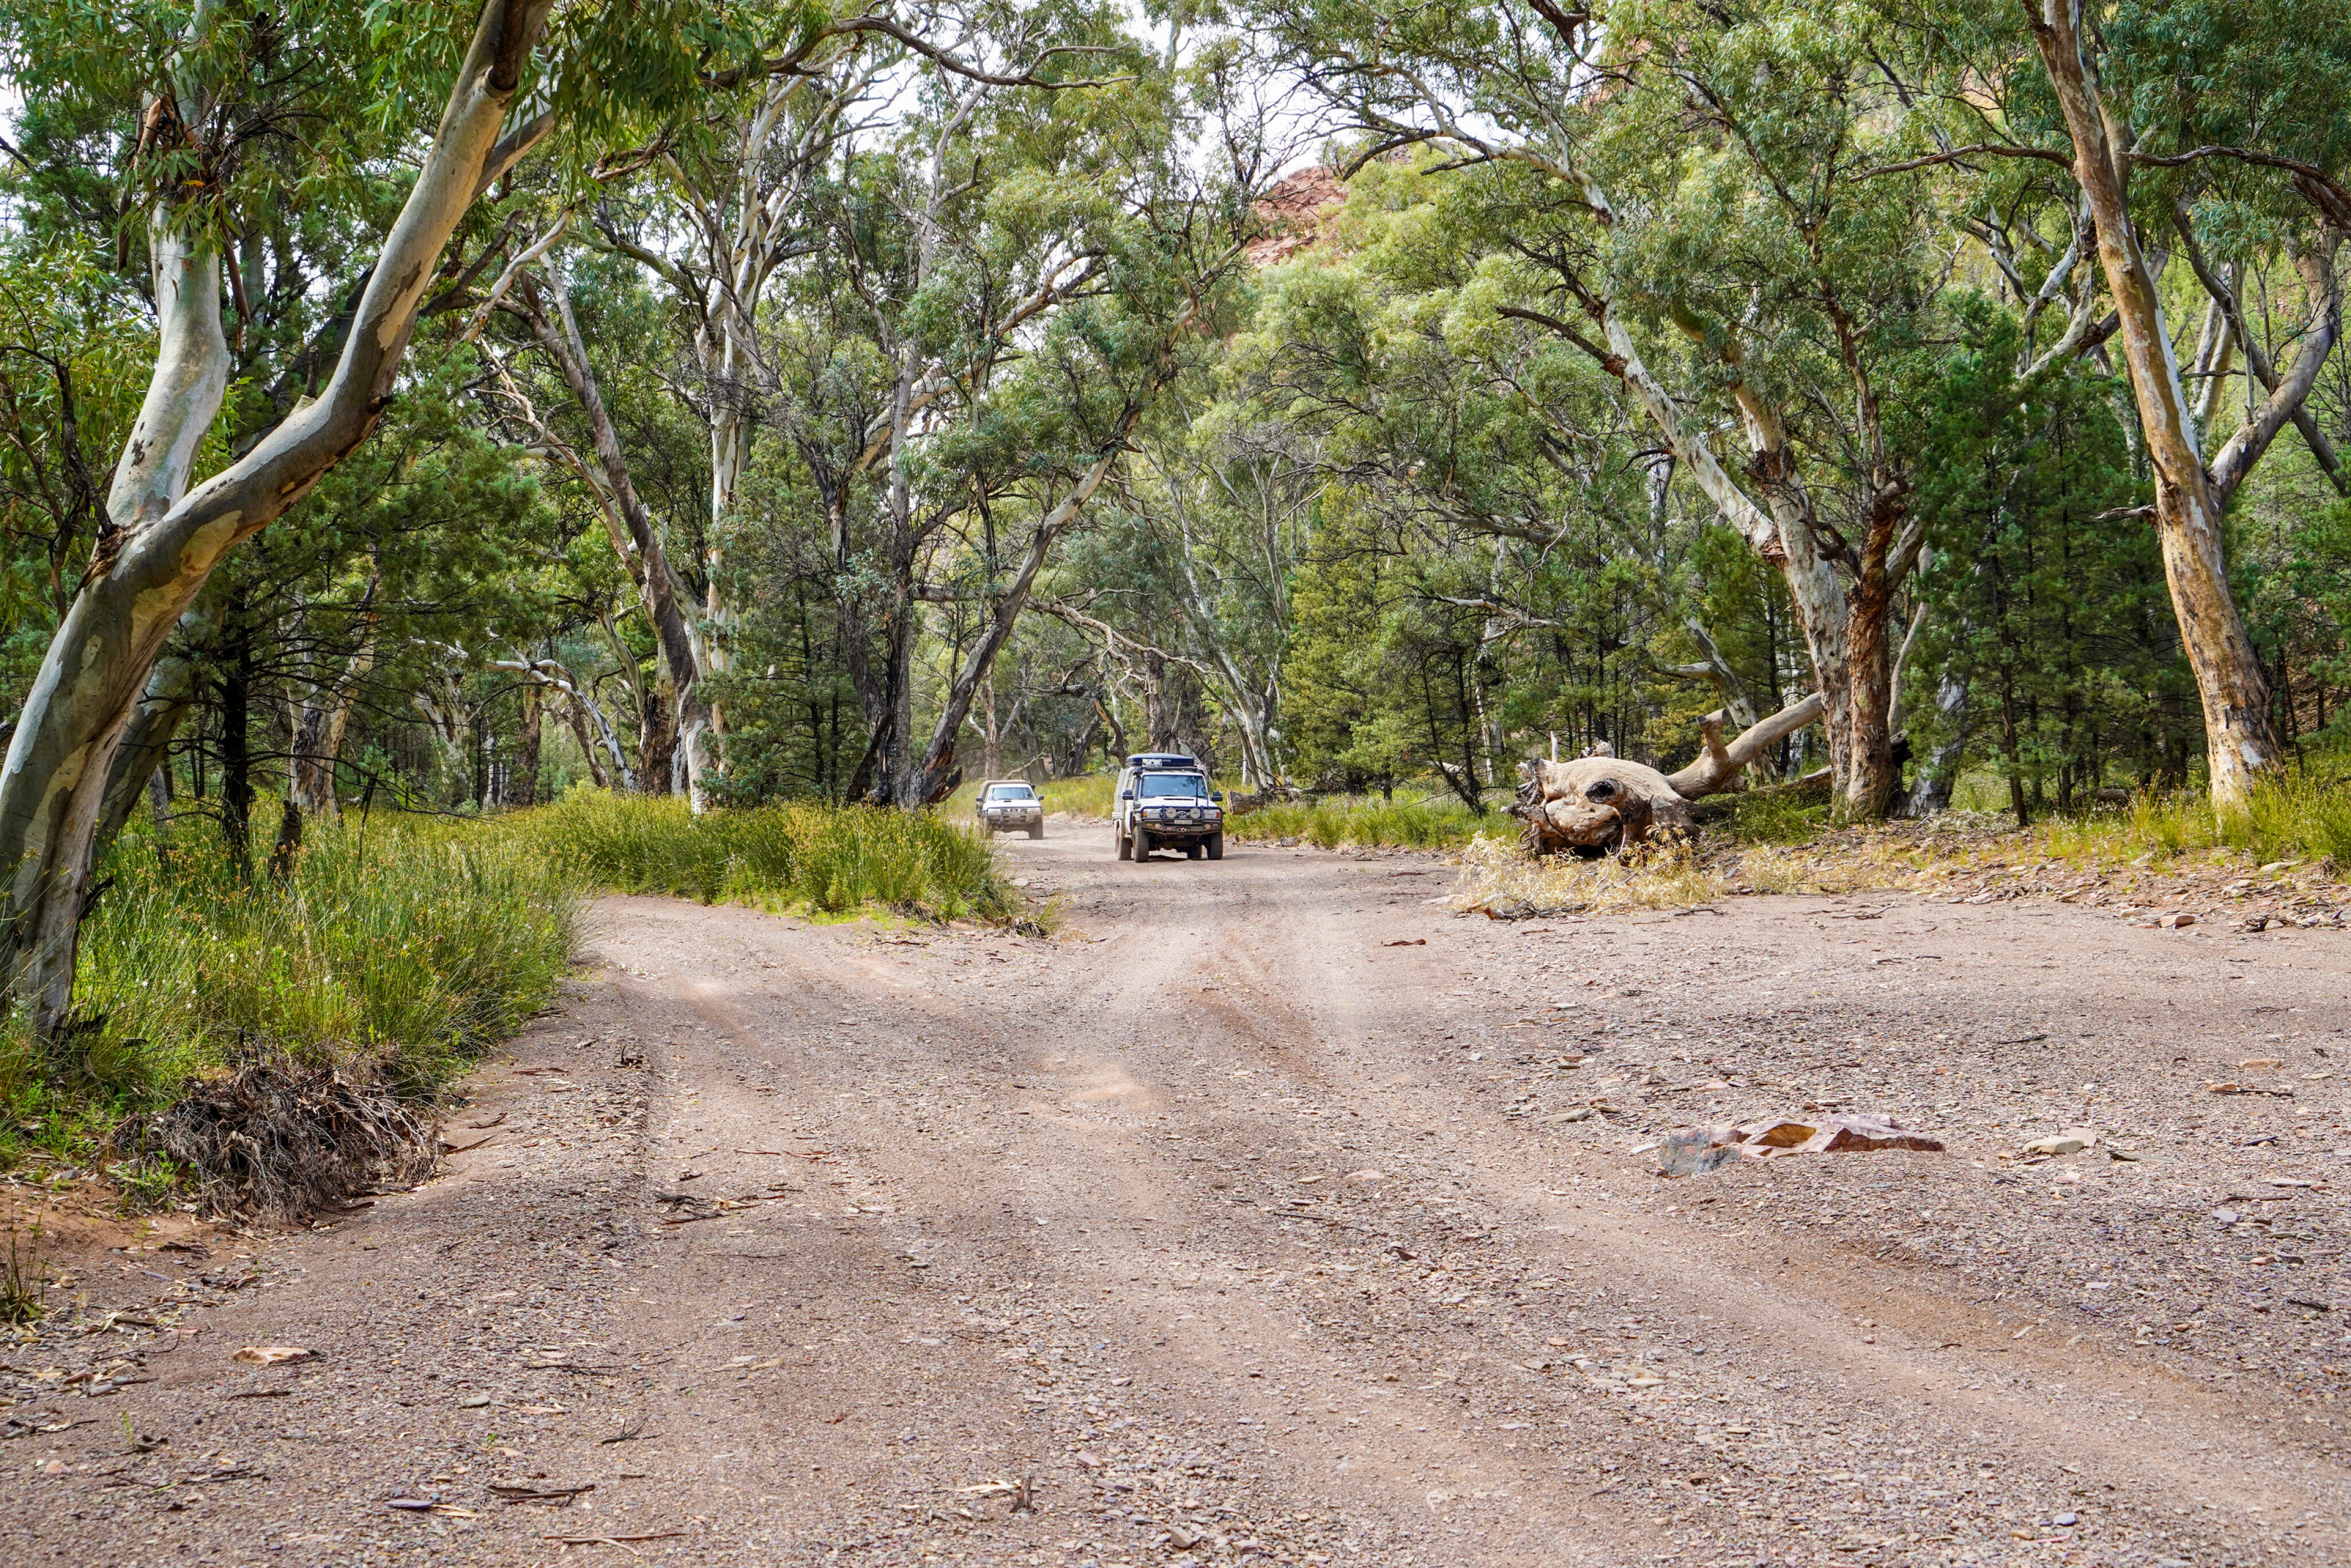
70	368
2304	815
400	948
1776	817
815	859
2056	617
1431	824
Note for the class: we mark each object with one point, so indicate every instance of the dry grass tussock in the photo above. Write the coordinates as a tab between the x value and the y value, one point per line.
281	1140
1500	880
2282	861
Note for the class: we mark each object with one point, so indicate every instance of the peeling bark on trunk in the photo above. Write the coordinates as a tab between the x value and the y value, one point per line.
2239	745
1938	771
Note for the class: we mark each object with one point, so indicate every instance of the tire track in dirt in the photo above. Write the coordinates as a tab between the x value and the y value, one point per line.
1199	1234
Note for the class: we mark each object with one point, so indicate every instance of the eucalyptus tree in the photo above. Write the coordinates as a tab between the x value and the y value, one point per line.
1006	281
1187	581
2165	110
720	211
1524	511
458	96
1674	189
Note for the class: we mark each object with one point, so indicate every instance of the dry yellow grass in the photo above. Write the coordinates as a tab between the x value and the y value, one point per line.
1498	879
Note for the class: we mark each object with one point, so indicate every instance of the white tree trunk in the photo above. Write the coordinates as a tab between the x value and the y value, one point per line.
52	786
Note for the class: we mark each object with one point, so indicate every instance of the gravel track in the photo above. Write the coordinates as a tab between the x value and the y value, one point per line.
1218	1229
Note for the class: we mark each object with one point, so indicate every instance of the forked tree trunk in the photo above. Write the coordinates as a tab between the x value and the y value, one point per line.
667	601
2239	745
163	544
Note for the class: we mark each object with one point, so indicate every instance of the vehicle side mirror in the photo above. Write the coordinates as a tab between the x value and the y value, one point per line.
1217	795
1127	794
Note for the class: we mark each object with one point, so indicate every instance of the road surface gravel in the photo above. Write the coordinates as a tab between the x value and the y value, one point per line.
1271	1212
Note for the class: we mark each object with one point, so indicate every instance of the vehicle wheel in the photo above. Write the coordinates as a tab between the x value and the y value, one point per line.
1216	846
1037	831
1191	851
1125	844
1142	844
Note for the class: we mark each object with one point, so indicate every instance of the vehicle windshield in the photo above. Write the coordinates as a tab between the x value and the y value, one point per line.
1162	786
1011	792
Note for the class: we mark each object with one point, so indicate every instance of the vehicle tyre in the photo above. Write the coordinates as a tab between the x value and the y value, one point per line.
1142	842
1125	844
1036	830
1216	846
1191	851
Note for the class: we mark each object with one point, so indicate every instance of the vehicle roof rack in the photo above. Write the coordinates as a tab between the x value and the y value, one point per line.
1161	759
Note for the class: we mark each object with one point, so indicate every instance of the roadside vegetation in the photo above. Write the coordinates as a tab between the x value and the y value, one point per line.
392	954
804	859
385	956
1370	823
2303	815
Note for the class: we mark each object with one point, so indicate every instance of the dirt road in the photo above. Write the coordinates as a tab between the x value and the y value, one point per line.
1222	1228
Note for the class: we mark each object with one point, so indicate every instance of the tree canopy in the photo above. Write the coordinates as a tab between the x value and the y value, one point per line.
847	401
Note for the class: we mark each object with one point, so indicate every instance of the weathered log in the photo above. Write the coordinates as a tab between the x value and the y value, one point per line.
1719	765
1596	805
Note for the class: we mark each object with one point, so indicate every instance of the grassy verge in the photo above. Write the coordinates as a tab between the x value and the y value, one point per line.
397	955
1368	823
806	859
2303	816
389	956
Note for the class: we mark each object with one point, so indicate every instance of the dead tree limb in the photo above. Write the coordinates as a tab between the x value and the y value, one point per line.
1594	805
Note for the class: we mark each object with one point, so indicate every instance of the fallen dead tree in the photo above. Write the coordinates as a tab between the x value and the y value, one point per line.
282	1141
1595	805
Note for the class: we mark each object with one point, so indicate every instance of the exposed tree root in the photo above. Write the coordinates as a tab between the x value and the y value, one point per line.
281	1141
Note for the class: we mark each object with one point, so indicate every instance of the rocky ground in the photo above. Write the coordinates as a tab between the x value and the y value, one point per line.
1272	1212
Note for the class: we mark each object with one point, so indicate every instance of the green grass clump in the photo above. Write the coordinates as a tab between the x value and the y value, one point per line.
1776	817
401	951
816	859
2299	816
1370	823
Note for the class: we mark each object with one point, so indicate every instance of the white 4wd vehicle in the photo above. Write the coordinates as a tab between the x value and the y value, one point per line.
1010	803
1164	802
